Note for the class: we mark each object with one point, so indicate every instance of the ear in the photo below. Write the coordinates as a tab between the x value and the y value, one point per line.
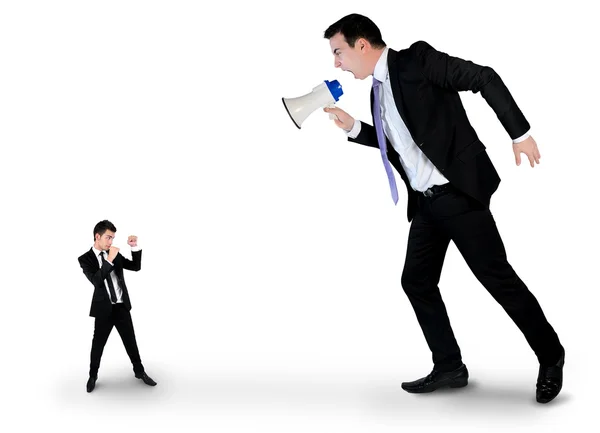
362	44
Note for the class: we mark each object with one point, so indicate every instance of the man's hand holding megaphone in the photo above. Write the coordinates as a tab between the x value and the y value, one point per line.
341	119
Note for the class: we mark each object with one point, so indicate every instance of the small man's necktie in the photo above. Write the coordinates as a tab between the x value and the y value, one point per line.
382	141
111	287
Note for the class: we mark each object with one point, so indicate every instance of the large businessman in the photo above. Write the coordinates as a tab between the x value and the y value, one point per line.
103	265
421	129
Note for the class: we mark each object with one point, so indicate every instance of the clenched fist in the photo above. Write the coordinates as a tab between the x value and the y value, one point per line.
112	253
132	241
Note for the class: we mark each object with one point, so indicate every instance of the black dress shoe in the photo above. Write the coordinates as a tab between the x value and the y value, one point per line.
549	381
438	379
91	383
146	379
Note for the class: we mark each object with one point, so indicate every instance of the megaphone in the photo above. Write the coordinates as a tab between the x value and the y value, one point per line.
325	94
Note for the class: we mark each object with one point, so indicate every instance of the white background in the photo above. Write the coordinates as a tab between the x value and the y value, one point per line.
269	298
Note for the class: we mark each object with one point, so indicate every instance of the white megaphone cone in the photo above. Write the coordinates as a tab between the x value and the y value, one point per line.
324	95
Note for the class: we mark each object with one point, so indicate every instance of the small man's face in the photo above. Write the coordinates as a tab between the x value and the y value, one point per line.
349	58
105	241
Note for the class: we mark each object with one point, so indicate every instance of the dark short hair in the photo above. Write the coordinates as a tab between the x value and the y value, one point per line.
354	27
102	226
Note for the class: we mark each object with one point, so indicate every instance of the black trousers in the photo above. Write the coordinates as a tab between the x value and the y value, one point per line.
453	216
120	318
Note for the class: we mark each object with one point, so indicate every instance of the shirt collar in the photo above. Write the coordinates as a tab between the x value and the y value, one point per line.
381	68
96	252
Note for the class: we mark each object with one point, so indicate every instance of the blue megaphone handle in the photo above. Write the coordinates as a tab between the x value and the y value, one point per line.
335	88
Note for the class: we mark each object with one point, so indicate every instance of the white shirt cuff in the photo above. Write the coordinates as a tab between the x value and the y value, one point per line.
138	248
353	133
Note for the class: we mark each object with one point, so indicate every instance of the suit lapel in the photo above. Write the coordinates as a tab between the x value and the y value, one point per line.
92	257
393	70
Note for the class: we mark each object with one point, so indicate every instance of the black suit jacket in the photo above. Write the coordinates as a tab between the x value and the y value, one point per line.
425	84
101	304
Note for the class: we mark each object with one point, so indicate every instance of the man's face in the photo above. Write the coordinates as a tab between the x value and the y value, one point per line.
349	58
104	242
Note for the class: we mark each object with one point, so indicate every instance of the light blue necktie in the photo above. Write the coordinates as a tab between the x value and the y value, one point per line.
382	142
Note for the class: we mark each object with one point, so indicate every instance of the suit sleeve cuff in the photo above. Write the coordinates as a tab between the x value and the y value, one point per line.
521	138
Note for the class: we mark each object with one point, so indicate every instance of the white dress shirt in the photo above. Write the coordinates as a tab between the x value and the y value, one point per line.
421	172
112	275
